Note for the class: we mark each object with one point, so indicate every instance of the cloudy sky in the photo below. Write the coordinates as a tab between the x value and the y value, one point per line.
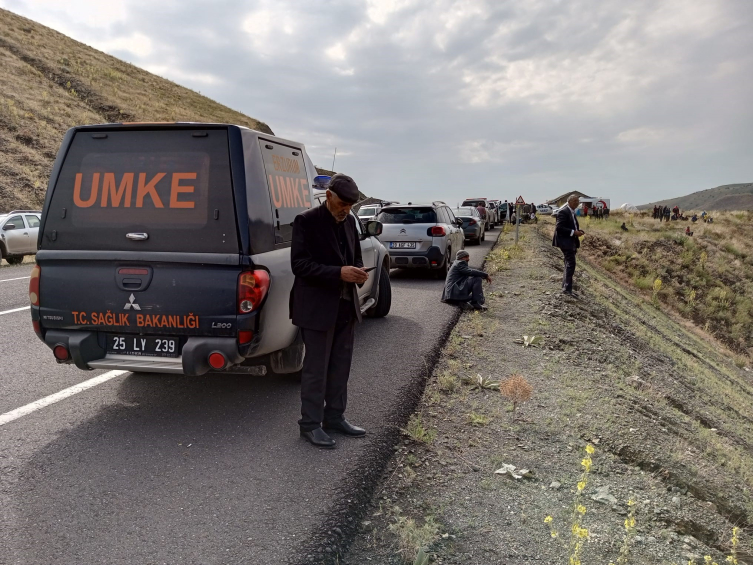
634	100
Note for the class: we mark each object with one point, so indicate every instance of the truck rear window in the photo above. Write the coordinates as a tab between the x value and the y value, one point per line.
173	185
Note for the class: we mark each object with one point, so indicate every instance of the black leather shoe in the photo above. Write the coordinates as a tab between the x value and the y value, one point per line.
319	438
345	427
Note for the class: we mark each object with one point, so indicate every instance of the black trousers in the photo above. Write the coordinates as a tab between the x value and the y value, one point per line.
477	291
567	279
326	369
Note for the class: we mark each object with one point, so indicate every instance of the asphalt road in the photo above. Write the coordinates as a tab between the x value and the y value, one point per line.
154	469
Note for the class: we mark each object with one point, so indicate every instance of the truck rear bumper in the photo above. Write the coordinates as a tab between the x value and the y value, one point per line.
87	352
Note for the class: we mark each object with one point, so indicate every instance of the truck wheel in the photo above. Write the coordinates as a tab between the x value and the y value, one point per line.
382	307
288	363
15	260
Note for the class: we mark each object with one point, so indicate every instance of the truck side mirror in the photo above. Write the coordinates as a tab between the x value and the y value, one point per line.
374	228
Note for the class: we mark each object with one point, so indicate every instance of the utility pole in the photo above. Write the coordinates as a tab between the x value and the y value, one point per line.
333	160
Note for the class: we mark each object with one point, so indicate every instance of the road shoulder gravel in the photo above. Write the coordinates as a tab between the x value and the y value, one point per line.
665	413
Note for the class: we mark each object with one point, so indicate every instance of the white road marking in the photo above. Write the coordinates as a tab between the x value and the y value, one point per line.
15	310
57	397
18	279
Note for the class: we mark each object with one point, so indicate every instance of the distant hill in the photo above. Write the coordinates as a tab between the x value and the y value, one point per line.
725	197
50	82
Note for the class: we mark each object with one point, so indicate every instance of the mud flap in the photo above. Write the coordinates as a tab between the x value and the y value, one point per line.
290	359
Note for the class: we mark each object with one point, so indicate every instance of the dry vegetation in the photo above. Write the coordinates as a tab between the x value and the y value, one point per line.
707	278
51	82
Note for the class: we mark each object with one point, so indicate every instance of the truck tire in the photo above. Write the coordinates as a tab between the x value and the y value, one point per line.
288	363
382	307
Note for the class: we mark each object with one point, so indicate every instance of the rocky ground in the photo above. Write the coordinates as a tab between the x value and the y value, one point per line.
669	415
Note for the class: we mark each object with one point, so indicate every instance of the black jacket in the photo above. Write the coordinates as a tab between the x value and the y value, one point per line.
316	260
566	223
457	286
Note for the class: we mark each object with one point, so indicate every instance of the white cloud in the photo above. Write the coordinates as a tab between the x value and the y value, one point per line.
485	151
336	52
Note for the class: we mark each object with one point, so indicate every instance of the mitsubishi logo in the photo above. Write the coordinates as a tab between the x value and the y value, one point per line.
403	230
131	304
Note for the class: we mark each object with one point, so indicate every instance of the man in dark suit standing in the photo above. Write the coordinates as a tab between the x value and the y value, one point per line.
566	234
326	262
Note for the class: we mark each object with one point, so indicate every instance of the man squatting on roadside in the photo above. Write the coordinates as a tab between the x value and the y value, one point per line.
326	261
566	234
463	284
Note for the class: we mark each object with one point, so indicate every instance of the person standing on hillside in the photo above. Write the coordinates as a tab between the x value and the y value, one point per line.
326	260
566	234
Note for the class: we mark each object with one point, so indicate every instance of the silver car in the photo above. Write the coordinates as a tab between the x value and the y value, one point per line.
421	236
18	235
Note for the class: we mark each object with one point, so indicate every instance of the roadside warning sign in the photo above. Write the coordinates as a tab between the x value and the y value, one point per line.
520	201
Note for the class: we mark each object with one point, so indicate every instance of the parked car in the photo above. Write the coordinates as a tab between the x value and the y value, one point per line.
557	209
421	236
473	225
18	235
491	214
368	213
166	248
543	209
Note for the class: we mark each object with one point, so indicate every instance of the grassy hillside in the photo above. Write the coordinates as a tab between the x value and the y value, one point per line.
725	197
51	82
706	278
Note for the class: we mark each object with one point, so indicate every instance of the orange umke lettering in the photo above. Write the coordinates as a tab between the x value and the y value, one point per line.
287	197
305	191
276	194
149	189
292	188
176	189
116	195
92	195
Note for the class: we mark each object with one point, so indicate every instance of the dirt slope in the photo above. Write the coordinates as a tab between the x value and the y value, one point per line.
725	197
669	414
51	82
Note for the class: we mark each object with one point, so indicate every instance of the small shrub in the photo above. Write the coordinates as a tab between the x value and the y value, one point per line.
477	420
516	389
447	382
412	538
418	432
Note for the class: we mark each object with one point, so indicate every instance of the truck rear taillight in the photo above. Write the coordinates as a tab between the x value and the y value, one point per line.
437	231
252	288
61	353
36	272
245	336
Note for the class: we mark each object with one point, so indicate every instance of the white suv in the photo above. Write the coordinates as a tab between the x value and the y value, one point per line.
421	236
18	235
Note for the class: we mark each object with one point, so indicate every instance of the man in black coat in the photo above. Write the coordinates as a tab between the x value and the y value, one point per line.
463	284
566	234
326	262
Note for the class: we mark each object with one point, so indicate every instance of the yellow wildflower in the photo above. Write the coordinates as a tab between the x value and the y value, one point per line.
586	464
547	519
581	485
590	449
581	509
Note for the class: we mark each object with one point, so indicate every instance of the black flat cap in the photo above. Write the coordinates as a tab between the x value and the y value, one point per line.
345	187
